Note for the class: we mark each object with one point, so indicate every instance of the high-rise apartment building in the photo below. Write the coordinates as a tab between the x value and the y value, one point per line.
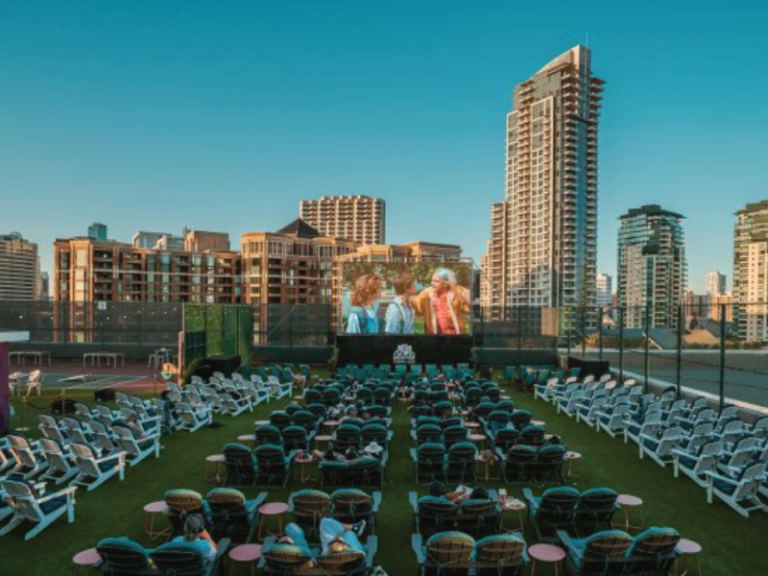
358	218
19	269
89	270
750	272
543	248
715	283
652	266
291	266
604	284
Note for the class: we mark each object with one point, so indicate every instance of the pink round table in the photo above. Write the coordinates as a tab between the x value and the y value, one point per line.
547	553
323	438
538	422
261	423
247	438
330	424
628	502
477	437
86	560
471	425
245	554
688	548
216	460
150	511
570	456
273	509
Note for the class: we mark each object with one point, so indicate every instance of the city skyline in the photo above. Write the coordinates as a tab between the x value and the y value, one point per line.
203	114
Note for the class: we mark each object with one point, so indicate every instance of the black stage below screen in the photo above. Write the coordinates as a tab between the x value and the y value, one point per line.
380	348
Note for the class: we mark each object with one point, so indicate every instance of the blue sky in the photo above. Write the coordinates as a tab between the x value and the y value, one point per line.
223	115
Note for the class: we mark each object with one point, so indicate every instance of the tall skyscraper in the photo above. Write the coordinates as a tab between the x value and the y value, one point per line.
652	266
358	218
604	290
19	268
543	248
750	272
97	231
715	284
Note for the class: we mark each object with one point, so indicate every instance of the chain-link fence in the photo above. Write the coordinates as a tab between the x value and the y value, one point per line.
67	330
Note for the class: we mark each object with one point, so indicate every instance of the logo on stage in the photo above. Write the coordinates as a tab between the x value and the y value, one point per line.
404	355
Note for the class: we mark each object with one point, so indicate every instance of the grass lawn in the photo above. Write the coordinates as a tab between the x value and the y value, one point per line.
731	543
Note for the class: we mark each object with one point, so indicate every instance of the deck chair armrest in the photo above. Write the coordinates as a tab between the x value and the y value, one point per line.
260	497
417	548
376	501
715	476
680	452
372	545
116	455
157	419
413	454
413	498
66	492
500	455
565	539
528	494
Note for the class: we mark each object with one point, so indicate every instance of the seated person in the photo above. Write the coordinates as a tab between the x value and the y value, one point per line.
335	537
479	493
196	535
438	490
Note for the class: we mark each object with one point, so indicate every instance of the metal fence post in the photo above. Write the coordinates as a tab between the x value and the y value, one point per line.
600	331
722	356
679	376
647	343
621	345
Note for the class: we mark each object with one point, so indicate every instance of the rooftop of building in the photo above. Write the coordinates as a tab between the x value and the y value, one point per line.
650	210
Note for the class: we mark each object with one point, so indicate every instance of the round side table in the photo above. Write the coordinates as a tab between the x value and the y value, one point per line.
538	423
303	462
247	439
547	554
329	425
152	510
572	457
688	548
629	502
515	505
323	439
479	439
213	467
471	425
247	554
271	510
85	560
260	423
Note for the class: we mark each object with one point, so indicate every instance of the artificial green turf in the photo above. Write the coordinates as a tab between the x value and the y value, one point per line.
732	544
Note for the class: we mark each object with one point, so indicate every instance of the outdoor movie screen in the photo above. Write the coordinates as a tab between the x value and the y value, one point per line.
405	298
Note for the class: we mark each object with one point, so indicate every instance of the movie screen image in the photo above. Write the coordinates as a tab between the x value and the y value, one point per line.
400	298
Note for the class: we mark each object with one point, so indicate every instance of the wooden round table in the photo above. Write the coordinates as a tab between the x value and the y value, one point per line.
688	548
245	554
548	554
85	560
215	461
629	502
272	510
152	510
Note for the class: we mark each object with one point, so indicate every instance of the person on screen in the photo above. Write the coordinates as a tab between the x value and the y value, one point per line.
443	304
364	314
399	318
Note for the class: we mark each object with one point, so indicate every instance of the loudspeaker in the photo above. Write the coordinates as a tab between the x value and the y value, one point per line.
105	395
60	406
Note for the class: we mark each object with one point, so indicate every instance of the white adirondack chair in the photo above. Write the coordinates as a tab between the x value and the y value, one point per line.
93	471
29	507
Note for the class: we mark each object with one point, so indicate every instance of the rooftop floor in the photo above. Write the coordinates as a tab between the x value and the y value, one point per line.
732	544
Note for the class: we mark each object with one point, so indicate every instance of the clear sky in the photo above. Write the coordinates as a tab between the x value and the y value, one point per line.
222	115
